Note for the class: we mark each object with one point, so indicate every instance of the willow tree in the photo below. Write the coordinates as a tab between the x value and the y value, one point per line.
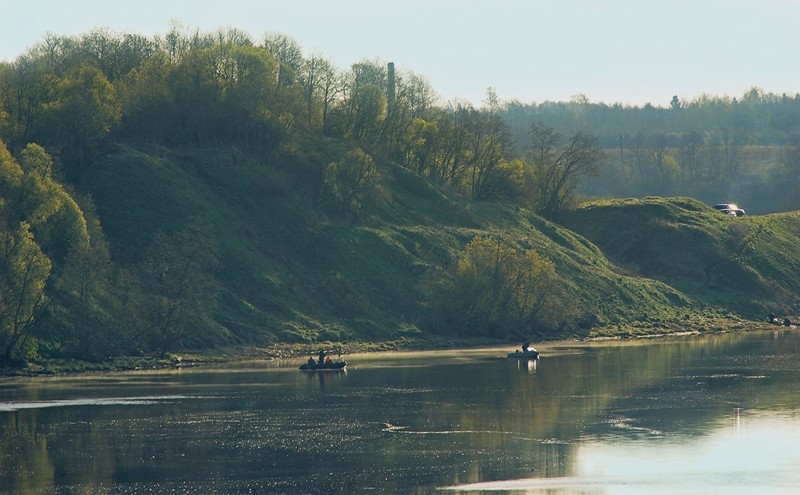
24	271
39	221
501	288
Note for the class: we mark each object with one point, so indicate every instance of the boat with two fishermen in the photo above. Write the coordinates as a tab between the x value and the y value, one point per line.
322	363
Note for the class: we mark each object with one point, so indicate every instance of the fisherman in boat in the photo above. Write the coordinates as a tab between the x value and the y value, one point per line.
525	346
311	360
321	357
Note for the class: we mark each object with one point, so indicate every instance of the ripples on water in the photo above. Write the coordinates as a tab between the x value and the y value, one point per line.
714	415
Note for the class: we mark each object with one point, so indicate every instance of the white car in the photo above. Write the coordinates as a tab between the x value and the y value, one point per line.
730	209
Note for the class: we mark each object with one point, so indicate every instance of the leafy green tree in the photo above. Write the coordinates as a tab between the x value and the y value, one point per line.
195	91
410	106
114	54
500	288
415	94
437	146
35	161
50	210
366	112
416	146
150	112
289	55
490	147
246	77
351	182
361	112
24	271
367	73
45	231
88	320
27	89
11	173
83	114
322	85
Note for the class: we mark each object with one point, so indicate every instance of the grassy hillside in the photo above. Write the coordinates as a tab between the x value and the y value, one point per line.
747	265
291	271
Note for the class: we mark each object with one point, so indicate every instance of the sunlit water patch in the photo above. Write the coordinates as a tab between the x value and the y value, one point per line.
751	455
109	401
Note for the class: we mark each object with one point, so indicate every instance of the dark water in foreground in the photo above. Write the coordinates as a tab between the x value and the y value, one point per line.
710	415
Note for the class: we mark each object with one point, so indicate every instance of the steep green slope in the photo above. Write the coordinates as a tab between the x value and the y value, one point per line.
748	265
290	271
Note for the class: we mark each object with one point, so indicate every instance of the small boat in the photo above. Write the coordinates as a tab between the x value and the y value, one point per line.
335	365
529	354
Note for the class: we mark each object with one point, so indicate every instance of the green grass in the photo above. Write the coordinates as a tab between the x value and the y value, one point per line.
746	265
292	272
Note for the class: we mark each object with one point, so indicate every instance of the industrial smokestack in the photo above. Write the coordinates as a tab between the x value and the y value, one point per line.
391	89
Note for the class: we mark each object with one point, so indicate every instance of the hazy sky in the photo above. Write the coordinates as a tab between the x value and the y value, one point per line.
627	51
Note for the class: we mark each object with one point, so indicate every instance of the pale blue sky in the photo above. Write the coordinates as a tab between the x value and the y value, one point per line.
628	51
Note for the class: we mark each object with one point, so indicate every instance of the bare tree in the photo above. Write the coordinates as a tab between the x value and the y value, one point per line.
557	170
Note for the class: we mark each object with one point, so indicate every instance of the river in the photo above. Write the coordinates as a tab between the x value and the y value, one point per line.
713	414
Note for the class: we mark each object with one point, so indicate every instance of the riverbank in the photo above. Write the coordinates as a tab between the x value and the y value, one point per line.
189	358
650	329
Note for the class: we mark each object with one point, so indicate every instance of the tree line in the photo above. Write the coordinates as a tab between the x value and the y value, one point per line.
73	95
713	148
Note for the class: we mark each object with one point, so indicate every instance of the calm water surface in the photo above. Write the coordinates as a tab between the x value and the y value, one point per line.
690	415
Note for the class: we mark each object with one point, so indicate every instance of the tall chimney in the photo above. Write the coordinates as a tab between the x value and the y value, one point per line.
391	90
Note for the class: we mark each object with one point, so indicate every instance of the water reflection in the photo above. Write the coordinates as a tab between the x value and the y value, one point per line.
659	416
755	454
525	364
326	377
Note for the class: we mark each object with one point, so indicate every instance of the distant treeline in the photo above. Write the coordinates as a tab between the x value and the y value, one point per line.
714	148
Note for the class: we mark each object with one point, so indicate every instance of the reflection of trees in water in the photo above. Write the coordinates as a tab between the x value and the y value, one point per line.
569	394
450	423
24	463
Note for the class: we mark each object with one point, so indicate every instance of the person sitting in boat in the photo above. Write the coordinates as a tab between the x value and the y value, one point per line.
526	346
328	360
321	357
311	360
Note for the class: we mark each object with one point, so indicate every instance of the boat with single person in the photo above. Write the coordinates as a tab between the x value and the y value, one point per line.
526	352
529	354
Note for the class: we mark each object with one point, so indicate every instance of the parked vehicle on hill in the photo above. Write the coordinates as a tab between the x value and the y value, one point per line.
730	209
